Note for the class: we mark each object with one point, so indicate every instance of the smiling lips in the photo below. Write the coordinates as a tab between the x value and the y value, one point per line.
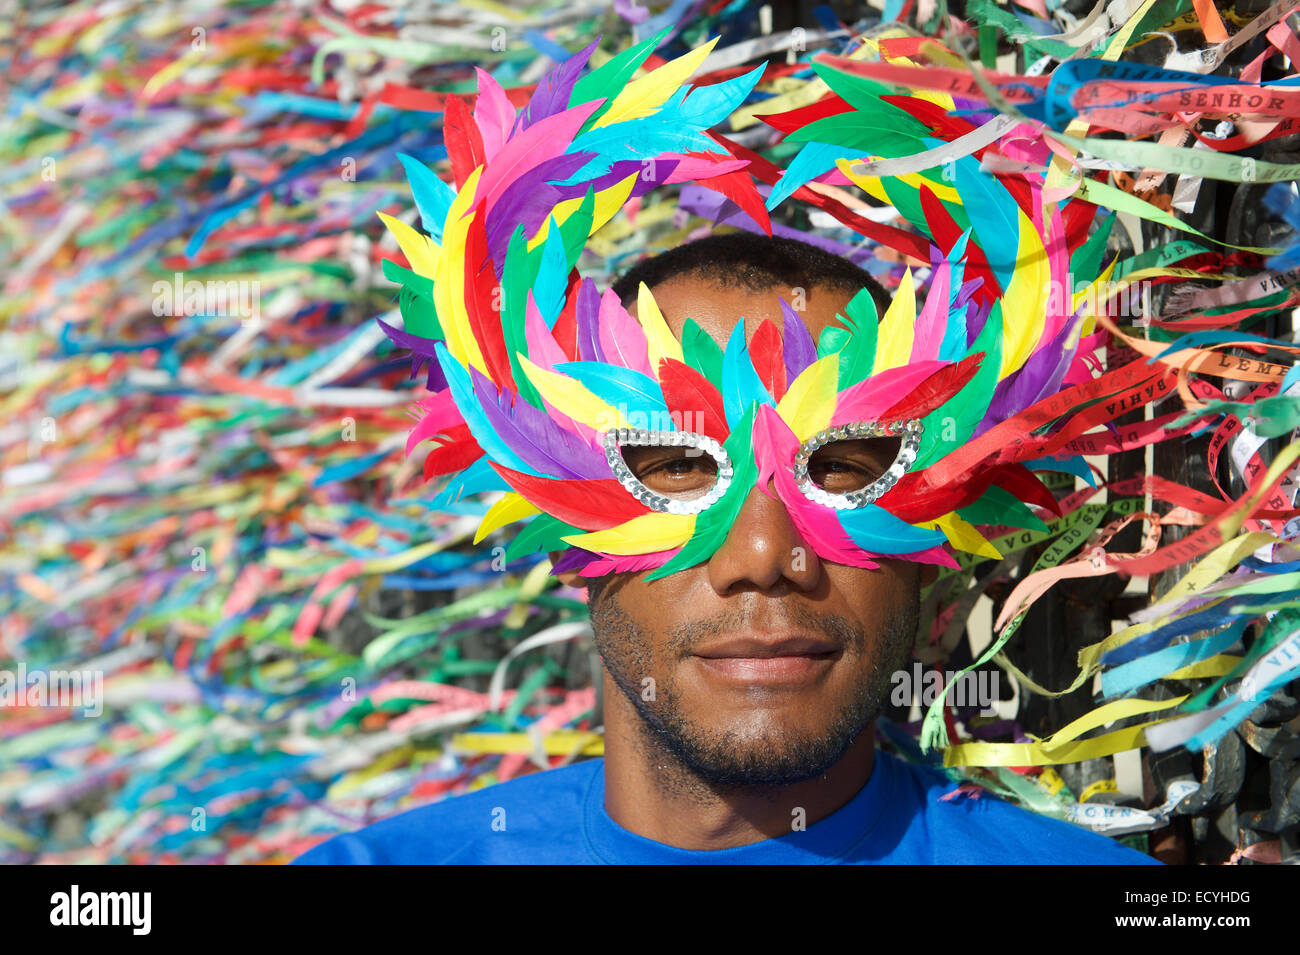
775	660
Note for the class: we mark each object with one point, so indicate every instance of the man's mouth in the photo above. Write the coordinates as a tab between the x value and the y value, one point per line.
768	660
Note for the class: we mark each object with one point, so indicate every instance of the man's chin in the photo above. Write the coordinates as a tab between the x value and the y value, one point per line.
758	753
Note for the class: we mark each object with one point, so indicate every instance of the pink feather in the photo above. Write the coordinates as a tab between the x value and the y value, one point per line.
694	168
493	113
932	321
441	415
868	399
541	141
545	352
625	563
621	337
774	446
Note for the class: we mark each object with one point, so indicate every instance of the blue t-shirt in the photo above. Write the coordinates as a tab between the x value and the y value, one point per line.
558	816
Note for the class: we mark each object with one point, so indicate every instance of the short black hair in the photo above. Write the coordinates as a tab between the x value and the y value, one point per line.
753	261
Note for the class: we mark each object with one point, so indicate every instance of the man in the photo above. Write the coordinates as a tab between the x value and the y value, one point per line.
740	692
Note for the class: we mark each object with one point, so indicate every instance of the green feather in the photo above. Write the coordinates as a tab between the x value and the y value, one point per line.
999	506
419	315
516	280
420	284
951	425
1089	255
858	355
831	340
577	227
702	352
542	534
858	91
607	81
713	524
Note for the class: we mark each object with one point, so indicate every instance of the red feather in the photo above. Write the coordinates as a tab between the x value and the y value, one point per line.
463	140
1026	485
593	505
481	293
1076	216
765	353
946	233
739	187
897	239
935	390
912	500
787	122
566	323
944	125
688	392
456	453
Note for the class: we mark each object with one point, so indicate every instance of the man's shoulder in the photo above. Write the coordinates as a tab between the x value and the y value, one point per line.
969	825
532	818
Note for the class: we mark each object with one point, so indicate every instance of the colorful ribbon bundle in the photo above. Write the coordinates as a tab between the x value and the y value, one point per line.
237	725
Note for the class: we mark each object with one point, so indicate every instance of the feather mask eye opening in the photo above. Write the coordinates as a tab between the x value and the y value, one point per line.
852	465
674	472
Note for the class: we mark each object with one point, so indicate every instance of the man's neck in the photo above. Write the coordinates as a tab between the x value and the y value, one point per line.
649	792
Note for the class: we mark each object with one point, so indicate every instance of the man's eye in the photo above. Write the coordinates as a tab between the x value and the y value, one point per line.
679	473
842	467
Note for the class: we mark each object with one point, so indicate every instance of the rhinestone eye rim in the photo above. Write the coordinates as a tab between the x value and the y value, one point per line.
910	431
615	438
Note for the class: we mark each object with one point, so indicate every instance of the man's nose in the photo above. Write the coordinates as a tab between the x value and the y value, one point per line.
763	548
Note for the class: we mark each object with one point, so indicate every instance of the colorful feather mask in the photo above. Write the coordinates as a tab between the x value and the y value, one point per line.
636	448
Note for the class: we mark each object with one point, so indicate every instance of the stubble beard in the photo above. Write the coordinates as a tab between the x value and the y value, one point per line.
726	760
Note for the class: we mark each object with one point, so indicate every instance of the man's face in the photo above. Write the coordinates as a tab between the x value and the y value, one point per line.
761	665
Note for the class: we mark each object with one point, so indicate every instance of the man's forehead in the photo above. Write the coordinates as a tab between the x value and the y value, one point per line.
716	308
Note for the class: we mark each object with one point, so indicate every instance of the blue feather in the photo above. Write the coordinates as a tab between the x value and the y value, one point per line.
813	160
433	197
462	392
637	140
478	477
709	105
553	276
624	388
953	347
993	215
877	531
741	386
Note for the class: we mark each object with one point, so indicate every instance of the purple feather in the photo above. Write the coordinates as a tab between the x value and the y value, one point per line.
528	200
588	316
534	436
553	92
796	343
422	350
1040	375
660	170
575	558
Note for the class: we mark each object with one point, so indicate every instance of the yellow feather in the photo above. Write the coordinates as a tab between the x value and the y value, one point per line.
1089	294
660	342
897	328
608	202
509	509
640	535
420	250
449	285
963	535
1025	301
872	187
642	97
808	403
572	398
